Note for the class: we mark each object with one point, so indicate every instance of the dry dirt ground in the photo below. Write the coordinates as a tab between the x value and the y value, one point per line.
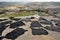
53	35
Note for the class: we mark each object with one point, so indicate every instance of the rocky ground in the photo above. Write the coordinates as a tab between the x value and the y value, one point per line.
53	33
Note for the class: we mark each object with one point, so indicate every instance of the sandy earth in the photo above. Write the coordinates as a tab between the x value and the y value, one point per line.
28	35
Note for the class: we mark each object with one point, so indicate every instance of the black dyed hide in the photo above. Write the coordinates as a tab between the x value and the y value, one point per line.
15	33
16	24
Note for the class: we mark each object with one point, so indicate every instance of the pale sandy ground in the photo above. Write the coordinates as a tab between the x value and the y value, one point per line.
28	35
